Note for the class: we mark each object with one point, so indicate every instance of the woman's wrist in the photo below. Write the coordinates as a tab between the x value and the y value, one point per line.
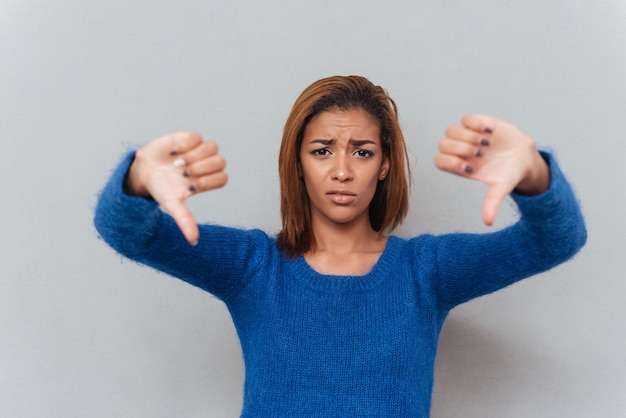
537	179
132	185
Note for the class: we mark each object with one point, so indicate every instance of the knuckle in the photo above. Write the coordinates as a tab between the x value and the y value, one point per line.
188	140
211	147
438	161
220	162
223	180
470	120
193	137
213	181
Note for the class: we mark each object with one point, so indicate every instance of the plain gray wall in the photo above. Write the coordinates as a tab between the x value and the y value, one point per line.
84	333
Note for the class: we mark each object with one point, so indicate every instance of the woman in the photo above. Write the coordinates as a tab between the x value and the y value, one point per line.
335	316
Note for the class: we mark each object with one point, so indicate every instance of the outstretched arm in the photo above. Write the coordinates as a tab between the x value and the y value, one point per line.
127	216
498	154
551	227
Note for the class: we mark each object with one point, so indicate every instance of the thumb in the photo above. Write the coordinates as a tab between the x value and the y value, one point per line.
184	219
492	201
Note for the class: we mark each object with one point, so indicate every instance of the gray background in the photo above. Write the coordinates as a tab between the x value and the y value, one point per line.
85	333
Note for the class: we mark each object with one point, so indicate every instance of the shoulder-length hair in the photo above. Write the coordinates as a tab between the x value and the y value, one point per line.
390	203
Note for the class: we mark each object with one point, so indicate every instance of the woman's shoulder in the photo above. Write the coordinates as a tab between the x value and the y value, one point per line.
416	249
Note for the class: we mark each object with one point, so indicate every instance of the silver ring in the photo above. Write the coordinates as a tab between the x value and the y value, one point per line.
179	162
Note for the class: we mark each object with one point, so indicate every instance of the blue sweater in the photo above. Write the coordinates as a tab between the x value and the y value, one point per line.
334	346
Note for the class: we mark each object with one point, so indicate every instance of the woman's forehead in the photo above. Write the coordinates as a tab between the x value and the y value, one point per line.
334	121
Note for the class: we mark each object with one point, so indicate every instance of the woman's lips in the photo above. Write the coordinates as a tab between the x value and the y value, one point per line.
342	197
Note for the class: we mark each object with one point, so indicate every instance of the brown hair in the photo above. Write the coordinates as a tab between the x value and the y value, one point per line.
391	199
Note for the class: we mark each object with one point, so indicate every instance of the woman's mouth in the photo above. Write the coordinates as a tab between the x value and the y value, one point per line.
341	197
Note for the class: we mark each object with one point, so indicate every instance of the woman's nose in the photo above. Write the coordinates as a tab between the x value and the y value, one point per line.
342	171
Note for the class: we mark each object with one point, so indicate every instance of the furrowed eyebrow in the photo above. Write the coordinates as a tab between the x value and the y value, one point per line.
353	142
361	142
323	141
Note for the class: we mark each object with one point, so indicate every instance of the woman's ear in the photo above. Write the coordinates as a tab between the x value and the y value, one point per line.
384	169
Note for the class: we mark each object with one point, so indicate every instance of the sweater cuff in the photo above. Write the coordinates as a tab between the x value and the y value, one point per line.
558	192
120	216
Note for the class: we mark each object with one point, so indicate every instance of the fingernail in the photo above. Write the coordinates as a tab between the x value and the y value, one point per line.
488	130
467	168
185	173
173	153
194	243
478	153
484	142
192	188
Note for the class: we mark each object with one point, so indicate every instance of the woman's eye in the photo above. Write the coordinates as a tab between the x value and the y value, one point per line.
363	153
321	152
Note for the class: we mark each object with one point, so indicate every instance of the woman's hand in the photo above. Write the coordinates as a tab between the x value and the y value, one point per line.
496	153
172	168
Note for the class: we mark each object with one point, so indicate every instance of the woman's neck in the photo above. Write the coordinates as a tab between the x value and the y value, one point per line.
345	249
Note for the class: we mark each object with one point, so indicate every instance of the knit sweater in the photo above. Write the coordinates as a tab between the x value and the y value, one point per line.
343	346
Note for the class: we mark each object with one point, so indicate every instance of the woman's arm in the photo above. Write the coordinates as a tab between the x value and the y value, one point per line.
550	231
551	228
129	218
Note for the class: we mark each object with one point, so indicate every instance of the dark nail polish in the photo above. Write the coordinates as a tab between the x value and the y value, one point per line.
478	153
192	188
173	153
185	173
484	142
488	131
468	169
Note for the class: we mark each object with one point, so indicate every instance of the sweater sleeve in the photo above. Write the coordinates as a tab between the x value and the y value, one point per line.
221	263
550	231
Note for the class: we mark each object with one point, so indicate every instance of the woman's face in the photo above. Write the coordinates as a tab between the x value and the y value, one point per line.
342	161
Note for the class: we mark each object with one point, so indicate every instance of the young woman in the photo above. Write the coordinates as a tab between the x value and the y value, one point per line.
335	316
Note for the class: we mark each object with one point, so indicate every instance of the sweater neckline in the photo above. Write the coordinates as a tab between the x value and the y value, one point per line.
345	283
